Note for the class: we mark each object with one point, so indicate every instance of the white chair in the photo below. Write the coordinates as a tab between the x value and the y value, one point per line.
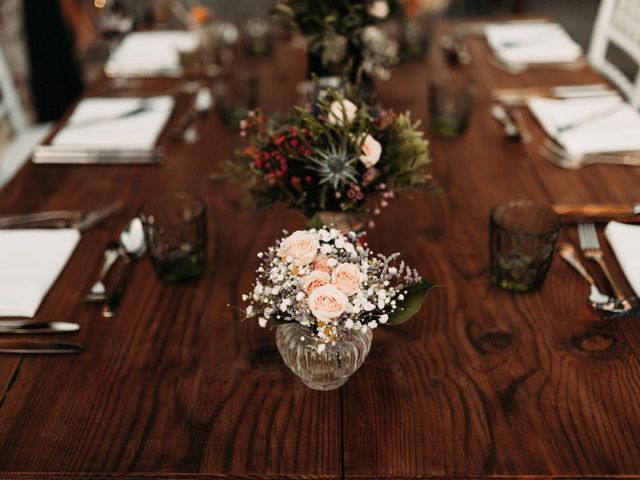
25	136
618	23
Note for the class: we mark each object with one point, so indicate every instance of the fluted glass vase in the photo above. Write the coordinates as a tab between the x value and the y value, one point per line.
325	370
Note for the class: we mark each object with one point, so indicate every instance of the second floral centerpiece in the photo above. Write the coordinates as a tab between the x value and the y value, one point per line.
332	158
326	292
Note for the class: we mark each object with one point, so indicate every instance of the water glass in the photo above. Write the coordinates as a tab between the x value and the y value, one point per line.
450	102
176	235
522	241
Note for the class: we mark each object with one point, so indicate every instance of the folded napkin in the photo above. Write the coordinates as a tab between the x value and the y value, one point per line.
605	124
115	123
539	42
30	261
151	54
625	242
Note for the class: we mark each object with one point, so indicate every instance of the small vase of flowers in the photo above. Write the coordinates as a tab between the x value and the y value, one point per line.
332	159
326	292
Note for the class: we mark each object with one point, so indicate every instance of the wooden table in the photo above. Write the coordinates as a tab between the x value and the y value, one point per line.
482	383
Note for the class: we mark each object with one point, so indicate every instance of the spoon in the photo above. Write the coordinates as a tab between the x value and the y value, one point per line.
597	299
132	247
98	290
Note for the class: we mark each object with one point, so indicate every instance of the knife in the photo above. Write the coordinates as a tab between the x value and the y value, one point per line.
93	218
38	347
17	326
78	156
604	210
66	218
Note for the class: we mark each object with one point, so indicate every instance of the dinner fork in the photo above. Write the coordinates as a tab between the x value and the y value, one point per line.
564	159
590	246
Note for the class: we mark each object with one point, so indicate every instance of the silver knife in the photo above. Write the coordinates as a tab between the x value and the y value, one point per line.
93	218
17	326
77	156
39	347
67	218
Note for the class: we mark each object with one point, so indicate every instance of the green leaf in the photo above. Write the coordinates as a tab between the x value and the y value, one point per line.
316	222
275	322
413	300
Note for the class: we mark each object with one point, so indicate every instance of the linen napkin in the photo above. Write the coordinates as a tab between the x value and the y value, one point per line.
606	124
116	123
30	261
151	54
625	242
539	42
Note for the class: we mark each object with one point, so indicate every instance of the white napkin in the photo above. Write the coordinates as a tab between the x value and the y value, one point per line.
618	129
151	54
625	242
94	124
540	42
30	261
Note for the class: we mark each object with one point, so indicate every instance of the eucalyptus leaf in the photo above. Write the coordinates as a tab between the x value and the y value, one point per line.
316	222
413	300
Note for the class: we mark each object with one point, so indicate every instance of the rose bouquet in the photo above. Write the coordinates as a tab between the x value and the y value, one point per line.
342	36
332	157
333	285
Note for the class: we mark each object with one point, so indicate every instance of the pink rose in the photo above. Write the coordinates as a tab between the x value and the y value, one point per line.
379	9
341	111
321	263
346	278
300	246
327	303
315	280
371	151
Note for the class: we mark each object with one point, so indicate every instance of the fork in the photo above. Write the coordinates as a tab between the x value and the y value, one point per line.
590	246
564	159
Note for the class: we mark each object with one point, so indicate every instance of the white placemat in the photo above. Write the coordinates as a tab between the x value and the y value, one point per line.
532	43
614	124
625	242
30	261
103	123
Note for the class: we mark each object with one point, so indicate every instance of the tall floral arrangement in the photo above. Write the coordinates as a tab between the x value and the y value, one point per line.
332	156
342	36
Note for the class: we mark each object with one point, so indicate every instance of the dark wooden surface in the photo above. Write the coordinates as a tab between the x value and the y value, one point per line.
481	383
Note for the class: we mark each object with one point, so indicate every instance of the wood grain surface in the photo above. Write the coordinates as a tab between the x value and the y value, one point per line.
482	383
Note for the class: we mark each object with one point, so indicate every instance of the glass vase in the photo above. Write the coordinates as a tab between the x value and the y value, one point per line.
345	222
325	370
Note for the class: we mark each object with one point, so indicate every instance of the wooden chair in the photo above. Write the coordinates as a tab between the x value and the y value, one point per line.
617	24
25	137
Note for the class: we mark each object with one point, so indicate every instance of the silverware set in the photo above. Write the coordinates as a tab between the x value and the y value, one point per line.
591	250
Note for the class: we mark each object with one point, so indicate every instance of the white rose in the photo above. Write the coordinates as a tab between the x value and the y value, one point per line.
315	279
327	303
341	109
371	151
300	246
379	9
347	278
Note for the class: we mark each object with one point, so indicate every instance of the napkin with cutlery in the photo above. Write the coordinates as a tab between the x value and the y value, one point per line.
625	240
530	43
589	125
151	54
115	123
30	261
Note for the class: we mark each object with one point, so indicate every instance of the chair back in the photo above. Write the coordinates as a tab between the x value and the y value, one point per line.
618	24
10	104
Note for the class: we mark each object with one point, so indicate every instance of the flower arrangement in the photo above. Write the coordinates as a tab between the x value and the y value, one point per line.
332	284
333	156
341	35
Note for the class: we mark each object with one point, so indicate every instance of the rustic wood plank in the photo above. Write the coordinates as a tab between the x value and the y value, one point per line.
175	385
483	382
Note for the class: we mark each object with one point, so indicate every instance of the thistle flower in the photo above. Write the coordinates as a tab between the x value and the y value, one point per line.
335	166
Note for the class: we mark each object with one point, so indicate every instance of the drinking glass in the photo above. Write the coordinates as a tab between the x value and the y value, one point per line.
450	101
176	235
523	235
